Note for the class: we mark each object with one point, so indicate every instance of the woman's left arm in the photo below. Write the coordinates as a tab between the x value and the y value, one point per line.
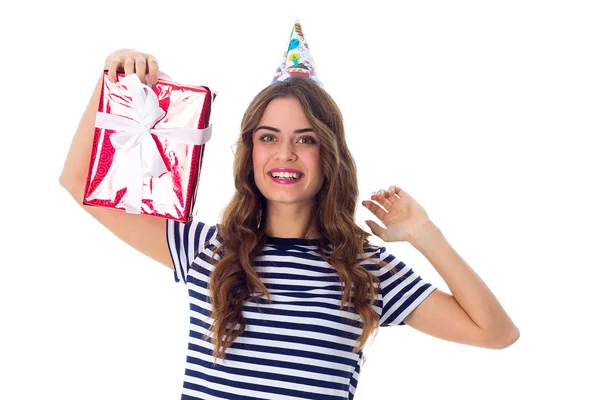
471	315
468	289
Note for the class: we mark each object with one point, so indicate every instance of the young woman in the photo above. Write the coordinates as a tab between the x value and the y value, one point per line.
286	290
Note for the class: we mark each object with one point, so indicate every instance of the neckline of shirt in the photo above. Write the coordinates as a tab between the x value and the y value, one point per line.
291	241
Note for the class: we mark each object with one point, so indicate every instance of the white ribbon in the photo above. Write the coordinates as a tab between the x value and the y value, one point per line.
134	136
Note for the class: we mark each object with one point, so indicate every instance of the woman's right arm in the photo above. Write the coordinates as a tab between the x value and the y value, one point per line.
145	233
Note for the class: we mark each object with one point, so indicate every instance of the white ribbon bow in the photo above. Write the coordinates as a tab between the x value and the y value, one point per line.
134	136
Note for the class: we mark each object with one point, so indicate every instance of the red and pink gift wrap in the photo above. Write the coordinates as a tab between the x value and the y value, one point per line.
153	156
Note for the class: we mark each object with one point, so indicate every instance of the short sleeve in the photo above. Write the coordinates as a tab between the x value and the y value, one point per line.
402	290
185	242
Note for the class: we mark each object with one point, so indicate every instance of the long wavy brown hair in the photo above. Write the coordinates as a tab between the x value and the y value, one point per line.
233	279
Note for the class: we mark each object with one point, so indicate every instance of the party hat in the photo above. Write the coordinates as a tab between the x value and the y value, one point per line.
296	60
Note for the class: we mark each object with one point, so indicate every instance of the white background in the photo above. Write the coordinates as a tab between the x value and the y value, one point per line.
485	112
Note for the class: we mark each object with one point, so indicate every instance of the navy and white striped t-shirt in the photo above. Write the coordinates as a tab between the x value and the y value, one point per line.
298	346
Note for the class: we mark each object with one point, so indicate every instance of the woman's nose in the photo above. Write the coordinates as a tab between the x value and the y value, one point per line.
285	152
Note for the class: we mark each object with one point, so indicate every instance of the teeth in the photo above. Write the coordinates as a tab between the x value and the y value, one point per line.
286	175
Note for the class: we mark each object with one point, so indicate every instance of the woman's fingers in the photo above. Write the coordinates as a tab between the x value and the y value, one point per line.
375	209
129	66
385	203
152	69
140	67
132	62
397	191
112	69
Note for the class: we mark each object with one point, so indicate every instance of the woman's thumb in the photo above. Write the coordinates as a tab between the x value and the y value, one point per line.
374	227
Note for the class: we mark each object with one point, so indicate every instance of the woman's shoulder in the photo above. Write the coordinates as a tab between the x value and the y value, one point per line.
372	249
370	255
195	231
212	233
376	258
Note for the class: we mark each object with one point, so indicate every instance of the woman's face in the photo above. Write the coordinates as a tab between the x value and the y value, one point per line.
284	139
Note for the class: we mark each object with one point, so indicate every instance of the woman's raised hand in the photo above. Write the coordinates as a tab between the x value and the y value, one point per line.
403	217
132	61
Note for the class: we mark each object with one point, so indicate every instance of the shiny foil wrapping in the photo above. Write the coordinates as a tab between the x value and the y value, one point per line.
171	195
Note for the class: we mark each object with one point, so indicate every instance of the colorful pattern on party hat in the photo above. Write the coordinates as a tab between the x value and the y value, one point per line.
297	60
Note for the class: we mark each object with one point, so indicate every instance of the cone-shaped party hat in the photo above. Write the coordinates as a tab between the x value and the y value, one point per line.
297	60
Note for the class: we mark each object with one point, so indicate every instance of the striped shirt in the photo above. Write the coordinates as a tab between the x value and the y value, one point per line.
300	345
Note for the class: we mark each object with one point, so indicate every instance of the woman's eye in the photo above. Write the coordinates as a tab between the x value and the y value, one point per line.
265	136
308	138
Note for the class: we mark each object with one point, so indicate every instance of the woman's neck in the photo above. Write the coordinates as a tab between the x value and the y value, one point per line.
291	221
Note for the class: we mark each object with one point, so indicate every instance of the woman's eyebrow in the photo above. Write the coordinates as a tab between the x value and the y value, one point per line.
270	128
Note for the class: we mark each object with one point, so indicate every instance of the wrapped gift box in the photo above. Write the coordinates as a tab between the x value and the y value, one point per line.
148	147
